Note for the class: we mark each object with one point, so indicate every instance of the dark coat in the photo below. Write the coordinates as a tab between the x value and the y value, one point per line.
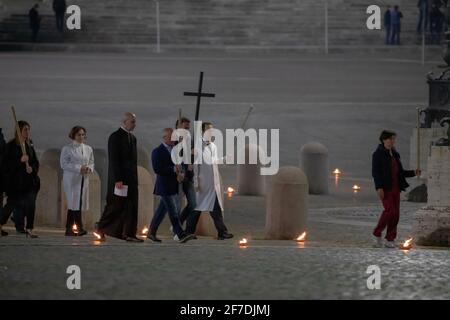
35	19
381	169
59	6
16	179
122	159
166	178
2	152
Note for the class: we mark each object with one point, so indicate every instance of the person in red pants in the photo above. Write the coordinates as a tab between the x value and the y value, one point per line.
390	179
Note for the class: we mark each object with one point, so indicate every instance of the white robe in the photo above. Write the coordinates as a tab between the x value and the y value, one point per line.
207	180
73	157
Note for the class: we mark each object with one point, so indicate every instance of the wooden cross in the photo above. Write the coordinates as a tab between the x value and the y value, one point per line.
199	94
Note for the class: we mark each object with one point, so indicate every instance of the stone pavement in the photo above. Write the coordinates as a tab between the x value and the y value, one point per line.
331	265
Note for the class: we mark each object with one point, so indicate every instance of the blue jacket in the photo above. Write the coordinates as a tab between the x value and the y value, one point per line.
381	169
166	178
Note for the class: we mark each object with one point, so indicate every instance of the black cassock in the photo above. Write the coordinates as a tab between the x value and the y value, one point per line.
119	219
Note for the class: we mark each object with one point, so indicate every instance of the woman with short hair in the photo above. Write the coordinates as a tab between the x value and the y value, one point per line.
77	162
390	179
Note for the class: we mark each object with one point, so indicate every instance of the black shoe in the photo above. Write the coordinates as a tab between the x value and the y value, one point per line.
4	233
30	234
185	238
153	238
133	239
225	236
82	233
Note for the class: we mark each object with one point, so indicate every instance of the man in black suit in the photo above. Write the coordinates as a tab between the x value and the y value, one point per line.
119	219
166	187
59	6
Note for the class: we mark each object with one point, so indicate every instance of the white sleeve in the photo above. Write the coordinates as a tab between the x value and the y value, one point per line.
67	163
91	159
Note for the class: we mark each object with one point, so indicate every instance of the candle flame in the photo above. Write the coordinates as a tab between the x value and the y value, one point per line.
75	228
301	237
337	171
407	244
243	242
356	188
145	231
230	190
97	235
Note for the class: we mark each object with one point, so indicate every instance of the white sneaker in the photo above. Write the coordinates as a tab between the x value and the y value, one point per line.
175	237
171	231
389	244
378	242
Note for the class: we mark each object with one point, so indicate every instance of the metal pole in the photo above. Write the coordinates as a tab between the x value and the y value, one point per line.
423	42
158	39
326	26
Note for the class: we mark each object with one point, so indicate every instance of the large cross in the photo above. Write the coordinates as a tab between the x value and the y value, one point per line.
199	94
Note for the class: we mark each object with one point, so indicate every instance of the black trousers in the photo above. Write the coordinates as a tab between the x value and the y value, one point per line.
216	215
24	206
60	20
119	219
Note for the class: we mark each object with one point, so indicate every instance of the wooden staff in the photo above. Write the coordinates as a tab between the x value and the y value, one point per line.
19	134
418	139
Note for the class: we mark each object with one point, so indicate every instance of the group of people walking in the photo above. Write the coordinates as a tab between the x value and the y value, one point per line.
199	183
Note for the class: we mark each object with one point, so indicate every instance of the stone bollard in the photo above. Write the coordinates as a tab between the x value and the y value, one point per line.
101	166
287	204
47	205
143	158
427	136
250	182
314	163
431	226
92	215
146	198
50	158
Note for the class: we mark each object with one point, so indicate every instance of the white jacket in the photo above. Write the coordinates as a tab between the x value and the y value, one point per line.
73	157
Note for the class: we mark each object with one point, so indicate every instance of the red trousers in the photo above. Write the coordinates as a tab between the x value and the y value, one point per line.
390	216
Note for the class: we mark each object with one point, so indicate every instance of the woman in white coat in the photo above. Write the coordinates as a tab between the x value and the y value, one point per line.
208	187
77	162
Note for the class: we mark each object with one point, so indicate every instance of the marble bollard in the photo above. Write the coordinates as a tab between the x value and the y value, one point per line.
250	182
143	158
431	224
427	136
315	164
101	166
287	204
47	202
146	198
51	158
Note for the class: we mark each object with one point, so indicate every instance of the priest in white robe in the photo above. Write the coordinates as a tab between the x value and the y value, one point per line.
207	182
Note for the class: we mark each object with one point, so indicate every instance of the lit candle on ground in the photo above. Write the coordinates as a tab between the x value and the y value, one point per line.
407	244
230	191
97	236
243	242
356	188
337	172
301	238
144	231
75	228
